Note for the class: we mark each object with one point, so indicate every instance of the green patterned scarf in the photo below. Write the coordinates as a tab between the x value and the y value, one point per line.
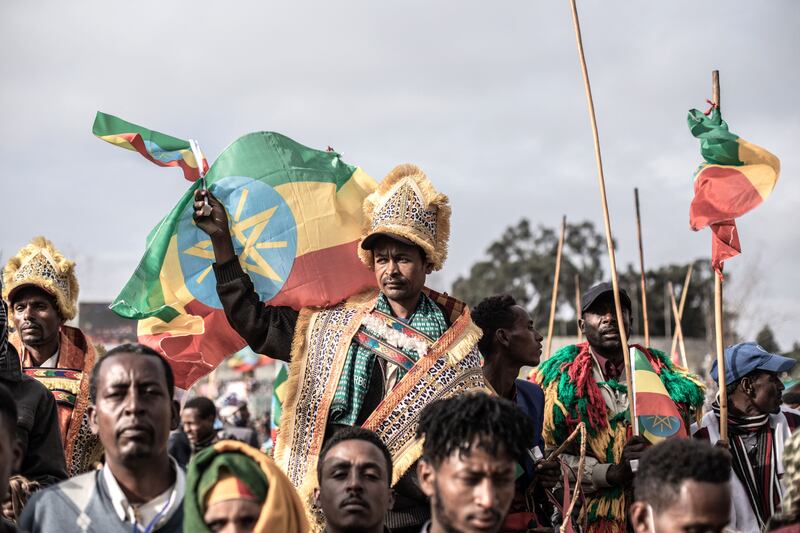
357	371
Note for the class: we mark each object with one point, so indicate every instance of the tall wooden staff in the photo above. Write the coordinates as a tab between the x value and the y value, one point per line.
723	389
681	306
643	283
601	182
554	298
578	313
678	329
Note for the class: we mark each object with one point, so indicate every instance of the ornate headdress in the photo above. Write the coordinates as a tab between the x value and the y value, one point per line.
406	207
41	265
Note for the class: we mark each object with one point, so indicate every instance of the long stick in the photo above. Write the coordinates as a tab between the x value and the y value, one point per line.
681	306
643	283
723	389
554	298
601	182
678	328
578	313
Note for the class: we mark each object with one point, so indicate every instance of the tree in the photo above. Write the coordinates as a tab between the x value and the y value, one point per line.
766	339
522	263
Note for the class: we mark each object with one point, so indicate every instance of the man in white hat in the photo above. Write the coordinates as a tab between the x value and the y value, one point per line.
40	286
375	360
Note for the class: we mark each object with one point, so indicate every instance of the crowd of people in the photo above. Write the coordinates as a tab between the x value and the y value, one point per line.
404	411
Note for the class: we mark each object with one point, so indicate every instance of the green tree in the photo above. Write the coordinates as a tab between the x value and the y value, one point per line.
766	339
522	263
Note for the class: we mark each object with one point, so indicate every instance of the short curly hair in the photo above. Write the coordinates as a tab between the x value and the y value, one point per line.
135	349
355	433
664	467
491	314
475	420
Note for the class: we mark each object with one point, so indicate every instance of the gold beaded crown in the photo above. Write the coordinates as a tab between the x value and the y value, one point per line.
405	206
41	265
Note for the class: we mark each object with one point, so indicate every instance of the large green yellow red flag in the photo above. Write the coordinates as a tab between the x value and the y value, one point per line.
735	177
657	415
295	217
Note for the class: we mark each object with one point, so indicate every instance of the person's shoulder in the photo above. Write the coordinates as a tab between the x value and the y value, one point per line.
530	388
792	417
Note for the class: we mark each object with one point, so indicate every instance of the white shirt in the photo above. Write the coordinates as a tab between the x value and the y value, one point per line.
161	508
52	362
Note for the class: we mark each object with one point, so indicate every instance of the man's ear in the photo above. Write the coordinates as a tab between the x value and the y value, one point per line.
176	416
427	477
91	411
640	517
17	454
429	268
582	326
315	499
392	496
501	336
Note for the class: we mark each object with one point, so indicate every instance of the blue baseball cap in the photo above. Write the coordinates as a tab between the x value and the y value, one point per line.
746	357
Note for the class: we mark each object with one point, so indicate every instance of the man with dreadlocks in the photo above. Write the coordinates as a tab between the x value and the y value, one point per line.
586	383
472	445
758	428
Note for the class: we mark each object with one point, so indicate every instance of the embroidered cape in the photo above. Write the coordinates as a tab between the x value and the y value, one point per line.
572	395
320	348
69	383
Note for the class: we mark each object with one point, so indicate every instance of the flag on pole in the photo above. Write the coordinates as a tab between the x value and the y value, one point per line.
246	360
161	149
735	177
278	395
295	216
657	415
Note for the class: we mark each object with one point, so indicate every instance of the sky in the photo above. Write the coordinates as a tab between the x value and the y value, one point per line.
486	97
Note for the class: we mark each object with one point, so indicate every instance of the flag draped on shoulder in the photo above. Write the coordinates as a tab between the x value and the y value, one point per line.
657	415
295	218
735	177
161	149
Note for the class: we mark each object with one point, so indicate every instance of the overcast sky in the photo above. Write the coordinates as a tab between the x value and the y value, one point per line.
485	96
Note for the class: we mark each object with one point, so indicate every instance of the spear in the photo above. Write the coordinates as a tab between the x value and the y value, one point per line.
678	330
643	284
554	298
679	316
578	314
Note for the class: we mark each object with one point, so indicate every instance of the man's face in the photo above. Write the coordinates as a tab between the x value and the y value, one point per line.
599	324
232	516
524	343
471	492
766	392
10	453
354	491
35	316
700	506
133	413
197	428
399	269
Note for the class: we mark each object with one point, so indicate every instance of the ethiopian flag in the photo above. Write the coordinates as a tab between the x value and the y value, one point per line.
735	177
161	149
656	414
278	396
295	216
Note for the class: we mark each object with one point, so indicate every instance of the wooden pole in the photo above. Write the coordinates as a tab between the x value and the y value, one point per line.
578	313
601	182
681	306
723	389
678	329
643	283
554	298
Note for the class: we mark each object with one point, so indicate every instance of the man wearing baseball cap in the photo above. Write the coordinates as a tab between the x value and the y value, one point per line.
757	429
595	392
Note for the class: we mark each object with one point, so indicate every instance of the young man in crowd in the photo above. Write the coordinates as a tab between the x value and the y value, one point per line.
10	449
375	348
682	485
40	285
509	343
472	446
355	475
234	488
757	430
197	418
586	382
140	488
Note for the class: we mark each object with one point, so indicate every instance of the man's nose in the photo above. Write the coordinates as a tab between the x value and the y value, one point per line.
485	494
354	481
133	402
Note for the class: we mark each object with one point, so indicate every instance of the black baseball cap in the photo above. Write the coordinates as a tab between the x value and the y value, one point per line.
601	289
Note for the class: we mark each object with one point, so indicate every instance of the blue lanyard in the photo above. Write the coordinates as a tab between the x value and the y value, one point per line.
151	526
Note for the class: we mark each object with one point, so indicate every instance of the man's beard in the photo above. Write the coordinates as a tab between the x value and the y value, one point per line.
440	512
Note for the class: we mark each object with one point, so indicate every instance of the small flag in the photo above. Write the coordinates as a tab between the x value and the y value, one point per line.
161	149
246	360
278	396
735	177
657	415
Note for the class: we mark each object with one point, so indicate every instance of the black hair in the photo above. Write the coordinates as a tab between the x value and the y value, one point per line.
136	349
493	313
8	410
474	420
355	433
663	469
204	407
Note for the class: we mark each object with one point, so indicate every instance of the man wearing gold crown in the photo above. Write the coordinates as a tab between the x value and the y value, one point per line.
40	286
378	358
